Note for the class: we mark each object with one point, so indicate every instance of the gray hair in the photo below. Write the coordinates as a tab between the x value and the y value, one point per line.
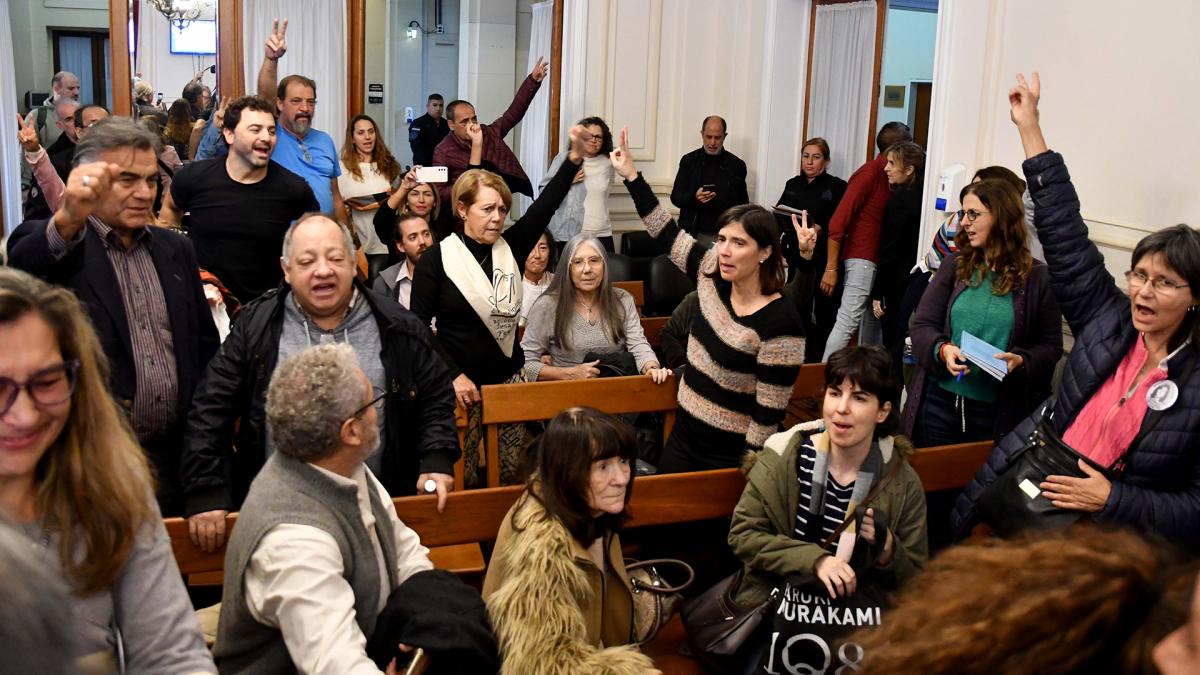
35	626
311	395
347	235
562	292
143	89
62	75
112	133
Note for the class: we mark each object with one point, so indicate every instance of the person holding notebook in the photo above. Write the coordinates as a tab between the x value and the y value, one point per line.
994	290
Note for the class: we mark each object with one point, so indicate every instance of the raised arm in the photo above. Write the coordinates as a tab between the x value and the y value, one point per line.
268	72
524	235
520	103
685	252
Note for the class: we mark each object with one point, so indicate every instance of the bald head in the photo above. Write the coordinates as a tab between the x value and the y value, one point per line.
713	132
65	85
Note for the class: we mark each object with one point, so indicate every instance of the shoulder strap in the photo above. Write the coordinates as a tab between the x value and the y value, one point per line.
887	478
43	111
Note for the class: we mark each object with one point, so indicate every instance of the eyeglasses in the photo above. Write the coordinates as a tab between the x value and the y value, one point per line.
47	387
1159	285
970	215
379	397
304	151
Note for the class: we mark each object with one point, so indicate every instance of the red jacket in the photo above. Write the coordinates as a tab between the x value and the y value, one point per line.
456	155
857	223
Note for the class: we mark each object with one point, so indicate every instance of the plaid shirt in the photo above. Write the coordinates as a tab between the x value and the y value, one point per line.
156	402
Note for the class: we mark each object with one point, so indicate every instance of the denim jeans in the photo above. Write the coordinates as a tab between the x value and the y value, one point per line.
855	311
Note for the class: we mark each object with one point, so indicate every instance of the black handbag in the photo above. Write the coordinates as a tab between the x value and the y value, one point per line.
717	627
1014	501
613	364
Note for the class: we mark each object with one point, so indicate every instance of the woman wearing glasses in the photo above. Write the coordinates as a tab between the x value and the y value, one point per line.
994	290
585	208
73	479
1129	398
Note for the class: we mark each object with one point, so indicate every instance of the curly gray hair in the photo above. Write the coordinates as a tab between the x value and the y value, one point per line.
311	394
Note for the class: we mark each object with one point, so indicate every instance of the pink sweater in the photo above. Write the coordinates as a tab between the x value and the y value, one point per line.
1110	420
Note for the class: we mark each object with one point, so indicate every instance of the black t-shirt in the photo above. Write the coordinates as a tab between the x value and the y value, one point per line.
238	228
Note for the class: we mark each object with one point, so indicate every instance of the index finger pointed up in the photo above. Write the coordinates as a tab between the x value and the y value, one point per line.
20	122
625	138
1036	86
283	30
804	218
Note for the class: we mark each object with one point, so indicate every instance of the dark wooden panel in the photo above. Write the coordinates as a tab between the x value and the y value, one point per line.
635	288
949	467
535	401
653	326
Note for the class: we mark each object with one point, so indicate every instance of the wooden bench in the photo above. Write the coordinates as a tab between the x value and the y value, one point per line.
635	288
653	326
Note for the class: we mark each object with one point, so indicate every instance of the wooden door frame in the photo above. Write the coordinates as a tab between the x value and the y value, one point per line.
881	7
118	51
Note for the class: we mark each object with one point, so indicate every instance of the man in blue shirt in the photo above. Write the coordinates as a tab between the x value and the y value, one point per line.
306	152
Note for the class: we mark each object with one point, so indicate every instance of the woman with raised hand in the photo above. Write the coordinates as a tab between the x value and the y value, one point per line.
410	197
585	210
470	284
1129	397
556	589
368	170
74	480
747	341
994	290
581	314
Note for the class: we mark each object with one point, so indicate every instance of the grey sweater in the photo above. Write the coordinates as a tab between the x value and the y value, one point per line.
539	337
147	603
289	491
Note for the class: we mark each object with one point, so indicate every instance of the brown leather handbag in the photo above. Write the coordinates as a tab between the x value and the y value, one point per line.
654	599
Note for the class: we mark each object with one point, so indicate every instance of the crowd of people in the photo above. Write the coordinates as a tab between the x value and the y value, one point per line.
211	309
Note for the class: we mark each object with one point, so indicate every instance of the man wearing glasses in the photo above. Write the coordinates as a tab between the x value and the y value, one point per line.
292	599
139	283
321	302
306	152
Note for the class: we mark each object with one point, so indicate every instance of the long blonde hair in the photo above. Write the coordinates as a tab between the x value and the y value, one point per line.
94	488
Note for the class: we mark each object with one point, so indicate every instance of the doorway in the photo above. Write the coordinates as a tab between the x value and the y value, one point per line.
85	53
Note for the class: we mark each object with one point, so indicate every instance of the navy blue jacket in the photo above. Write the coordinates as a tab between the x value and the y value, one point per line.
1159	490
87	271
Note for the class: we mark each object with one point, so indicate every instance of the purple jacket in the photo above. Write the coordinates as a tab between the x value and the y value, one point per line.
1036	336
456	155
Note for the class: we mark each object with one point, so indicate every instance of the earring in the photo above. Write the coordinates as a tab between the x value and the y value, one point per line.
762	261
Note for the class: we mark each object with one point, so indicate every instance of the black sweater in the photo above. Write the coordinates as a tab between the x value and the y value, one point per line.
463	340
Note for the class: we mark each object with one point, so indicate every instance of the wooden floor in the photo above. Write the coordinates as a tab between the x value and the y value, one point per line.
665	651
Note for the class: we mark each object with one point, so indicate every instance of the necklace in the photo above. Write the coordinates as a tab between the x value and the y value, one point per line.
588	308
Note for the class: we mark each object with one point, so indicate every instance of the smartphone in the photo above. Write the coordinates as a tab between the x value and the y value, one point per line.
433	174
711	187
159	99
417	665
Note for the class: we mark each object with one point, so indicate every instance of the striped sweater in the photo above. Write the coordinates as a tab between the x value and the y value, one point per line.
740	370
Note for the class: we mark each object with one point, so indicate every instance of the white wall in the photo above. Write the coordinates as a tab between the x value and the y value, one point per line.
907	56
32	52
415	68
661	66
1120	91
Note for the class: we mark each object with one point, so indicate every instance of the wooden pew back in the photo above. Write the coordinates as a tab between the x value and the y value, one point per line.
635	288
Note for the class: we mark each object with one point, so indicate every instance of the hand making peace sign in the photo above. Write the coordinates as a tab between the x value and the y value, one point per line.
27	136
806	236
277	41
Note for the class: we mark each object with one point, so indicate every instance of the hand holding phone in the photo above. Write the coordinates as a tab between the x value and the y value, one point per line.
432	174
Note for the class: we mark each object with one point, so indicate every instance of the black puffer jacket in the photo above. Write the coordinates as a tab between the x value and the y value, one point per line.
419	434
1159	490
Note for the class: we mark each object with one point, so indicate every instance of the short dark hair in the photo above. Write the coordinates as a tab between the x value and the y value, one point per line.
233	114
891	134
1180	245
453	105
870	369
79	112
606	145
434	97
192	92
1000	173
562	460
760	224
111	133
724	126
285	82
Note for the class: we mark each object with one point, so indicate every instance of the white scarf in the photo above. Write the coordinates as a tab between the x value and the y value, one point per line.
497	301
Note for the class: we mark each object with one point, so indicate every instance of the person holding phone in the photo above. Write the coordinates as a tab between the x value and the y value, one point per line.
710	180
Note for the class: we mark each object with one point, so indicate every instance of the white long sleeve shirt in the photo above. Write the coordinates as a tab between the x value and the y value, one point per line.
294	582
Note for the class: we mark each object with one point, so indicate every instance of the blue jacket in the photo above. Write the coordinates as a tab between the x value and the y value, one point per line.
1159	490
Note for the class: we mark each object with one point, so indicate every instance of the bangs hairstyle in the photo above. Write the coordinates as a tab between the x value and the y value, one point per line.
870	369
385	162
561	478
760	225
1007	247
94	488
467	187
1180	245
562	293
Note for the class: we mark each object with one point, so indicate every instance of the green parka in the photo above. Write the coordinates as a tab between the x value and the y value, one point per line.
764	521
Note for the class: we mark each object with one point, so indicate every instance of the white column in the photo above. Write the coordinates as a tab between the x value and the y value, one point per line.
487	55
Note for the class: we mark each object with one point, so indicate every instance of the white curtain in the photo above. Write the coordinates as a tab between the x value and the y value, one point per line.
316	48
10	151
535	127
842	72
574	68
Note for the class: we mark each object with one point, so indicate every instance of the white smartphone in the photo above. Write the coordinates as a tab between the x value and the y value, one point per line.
432	174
